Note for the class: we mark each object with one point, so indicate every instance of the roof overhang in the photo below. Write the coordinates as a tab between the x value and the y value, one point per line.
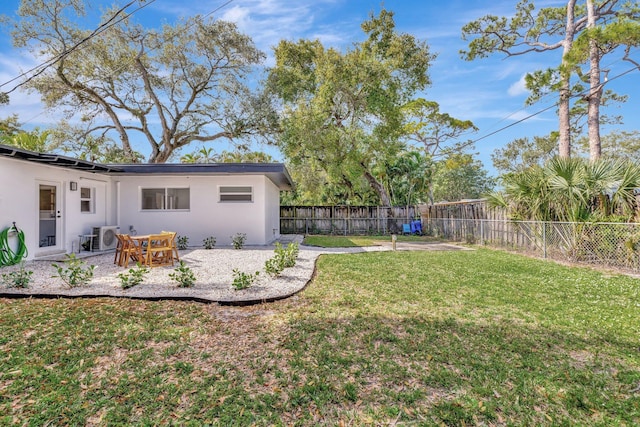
276	172
53	159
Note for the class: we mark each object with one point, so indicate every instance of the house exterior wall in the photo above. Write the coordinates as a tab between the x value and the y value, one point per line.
19	202
272	211
207	215
116	201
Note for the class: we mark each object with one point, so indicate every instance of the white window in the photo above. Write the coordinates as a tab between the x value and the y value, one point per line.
165	199
87	204
236	194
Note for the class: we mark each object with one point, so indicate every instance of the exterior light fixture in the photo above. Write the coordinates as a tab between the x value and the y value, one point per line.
73	186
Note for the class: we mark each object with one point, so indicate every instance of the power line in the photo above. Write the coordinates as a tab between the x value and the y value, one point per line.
580	94
103	27
543	97
39	69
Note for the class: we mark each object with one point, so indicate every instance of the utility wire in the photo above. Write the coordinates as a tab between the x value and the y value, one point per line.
584	92
41	68
543	97
103	27
124	65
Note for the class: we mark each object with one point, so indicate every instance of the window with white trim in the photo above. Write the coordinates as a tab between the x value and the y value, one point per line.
236	194
87	202
165	199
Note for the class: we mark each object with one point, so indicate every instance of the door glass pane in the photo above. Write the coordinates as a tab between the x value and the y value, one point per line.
47	216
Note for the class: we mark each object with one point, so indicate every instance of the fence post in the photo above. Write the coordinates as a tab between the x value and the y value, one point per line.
544	240
481	231
306	226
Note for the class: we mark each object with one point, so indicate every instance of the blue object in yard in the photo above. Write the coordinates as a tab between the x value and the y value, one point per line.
416	227
406	229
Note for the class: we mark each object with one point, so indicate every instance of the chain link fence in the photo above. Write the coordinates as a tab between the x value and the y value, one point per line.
615	245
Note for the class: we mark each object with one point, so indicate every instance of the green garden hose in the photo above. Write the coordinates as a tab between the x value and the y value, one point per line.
7	255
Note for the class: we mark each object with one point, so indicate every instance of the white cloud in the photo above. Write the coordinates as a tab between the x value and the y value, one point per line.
518	88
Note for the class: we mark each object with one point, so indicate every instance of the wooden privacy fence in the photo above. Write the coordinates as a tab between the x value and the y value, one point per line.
466	209
345	220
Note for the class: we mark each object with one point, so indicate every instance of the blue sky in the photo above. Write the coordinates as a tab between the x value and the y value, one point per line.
489	92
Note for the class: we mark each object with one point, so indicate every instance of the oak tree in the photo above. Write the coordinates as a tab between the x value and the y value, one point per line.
170	86
343	110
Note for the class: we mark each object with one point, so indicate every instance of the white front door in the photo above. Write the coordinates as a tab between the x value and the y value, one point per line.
49	216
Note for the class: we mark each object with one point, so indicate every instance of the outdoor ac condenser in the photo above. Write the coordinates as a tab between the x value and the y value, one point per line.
105	237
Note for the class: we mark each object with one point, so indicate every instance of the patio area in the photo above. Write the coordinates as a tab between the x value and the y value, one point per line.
213	269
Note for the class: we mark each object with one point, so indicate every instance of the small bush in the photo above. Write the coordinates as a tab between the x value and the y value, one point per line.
182	242
242	280
73	272
133	277
284	258
238	240
18	279
209	242
274	266
183	275
291	255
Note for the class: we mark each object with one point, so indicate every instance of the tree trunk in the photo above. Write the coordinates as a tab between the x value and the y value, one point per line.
564	123
385	200
595	89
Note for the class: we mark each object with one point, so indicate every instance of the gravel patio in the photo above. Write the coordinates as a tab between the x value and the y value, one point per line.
213	269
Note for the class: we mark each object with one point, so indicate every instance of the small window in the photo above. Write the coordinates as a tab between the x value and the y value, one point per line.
165	199
236	194
87	204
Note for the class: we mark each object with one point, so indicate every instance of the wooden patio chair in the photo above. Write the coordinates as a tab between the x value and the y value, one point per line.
159	250
131	250
173	234
118	257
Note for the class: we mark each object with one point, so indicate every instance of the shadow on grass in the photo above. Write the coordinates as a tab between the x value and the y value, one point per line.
113	362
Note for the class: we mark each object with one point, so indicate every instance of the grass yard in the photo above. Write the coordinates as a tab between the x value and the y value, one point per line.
416	338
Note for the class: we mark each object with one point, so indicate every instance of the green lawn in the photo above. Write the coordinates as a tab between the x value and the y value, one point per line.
412	338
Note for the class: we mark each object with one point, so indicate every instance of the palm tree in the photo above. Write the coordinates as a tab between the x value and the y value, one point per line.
571	190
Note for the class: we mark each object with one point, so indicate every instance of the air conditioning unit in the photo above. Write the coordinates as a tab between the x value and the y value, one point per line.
105	237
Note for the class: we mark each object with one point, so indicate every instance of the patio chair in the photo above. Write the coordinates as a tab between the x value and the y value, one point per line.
159	250
131	250
173	234
119	255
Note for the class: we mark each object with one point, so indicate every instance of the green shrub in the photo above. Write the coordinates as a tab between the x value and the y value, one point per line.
183	275
274	266
133	277
242	280
284	258
182	242
209	242
238	240
74	273
291	255
18	279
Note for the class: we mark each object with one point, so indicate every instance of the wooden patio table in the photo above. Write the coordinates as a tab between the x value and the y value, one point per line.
155	256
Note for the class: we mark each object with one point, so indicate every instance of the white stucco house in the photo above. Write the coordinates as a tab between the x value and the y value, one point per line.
56	199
